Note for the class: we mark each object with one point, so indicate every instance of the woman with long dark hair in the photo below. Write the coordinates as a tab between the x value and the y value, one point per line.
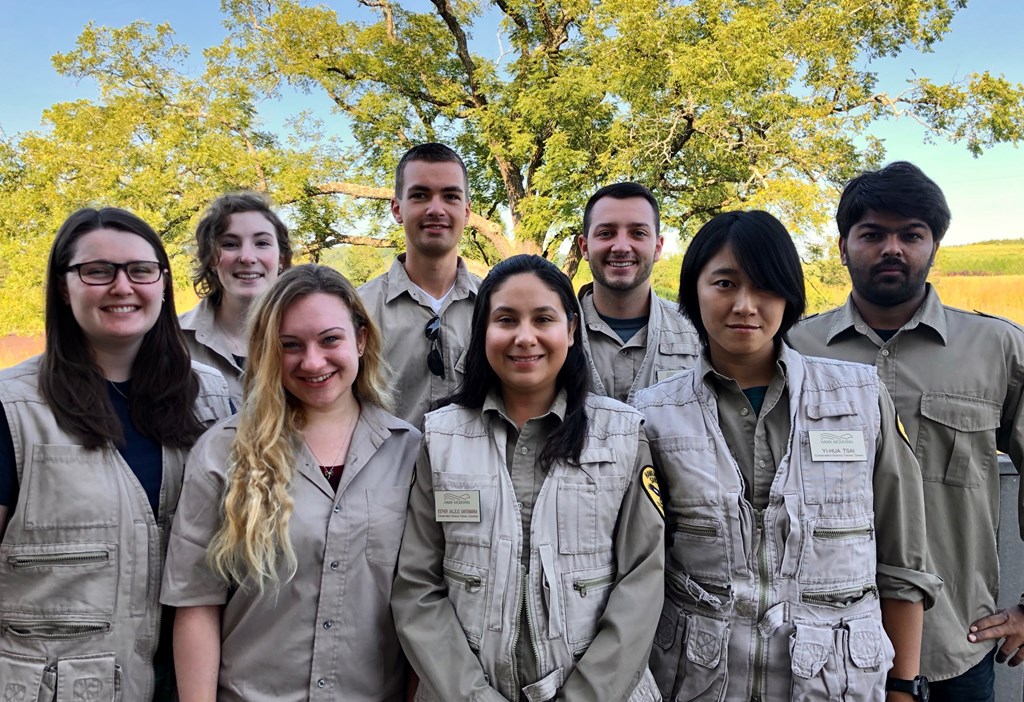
241	247
91	460
797	563
287	532
533	547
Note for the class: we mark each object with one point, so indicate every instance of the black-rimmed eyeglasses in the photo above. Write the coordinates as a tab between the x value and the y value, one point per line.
435	362
104	272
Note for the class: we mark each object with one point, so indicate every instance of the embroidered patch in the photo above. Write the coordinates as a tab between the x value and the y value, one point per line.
650	482
901	429
87	690
15	693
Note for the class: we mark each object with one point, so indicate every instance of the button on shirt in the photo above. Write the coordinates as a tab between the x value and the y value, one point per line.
402	311
956	379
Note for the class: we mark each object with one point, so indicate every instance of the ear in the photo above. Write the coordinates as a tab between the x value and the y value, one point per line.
361	341
582	239
396	210
657	247
62	288
572	329
842	250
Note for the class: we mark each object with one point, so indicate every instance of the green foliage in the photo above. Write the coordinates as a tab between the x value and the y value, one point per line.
714	104
1004	257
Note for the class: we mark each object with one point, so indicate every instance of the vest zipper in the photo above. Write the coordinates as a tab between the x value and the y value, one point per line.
760	653
532	627
55	631
839	599
842	532
697	529
581	586
470	582
34	560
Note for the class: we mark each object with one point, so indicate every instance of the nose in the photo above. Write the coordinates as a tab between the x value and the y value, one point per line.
435	205
247	254
312	359
743	304
892	246
620	244
525	335
121	285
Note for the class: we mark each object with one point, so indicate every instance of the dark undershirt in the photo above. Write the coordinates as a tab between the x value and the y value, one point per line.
335	477
756	397
625	328
142	454
885	334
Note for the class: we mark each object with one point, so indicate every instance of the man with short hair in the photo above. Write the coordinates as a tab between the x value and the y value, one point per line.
424	302
957	379
633	337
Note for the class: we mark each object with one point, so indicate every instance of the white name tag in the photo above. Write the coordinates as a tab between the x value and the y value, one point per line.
838	445
457	505
664	374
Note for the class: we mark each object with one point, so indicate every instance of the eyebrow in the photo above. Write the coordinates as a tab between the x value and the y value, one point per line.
506	308
725	271
445	189
631	225
319	333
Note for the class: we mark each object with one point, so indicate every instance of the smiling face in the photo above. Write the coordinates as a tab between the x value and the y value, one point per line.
433	207
528	337
321	349
741	319
888	256
119	314
248	257
623	242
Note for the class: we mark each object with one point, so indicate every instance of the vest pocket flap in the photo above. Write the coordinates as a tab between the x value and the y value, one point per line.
597	454
21	677
960	412
866	643
841	408
704	640
86	678
683	443
546	688
207	415
678	348
810	648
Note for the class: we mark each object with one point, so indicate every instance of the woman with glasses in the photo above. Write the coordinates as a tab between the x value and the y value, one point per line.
92	450
241	247
797	566
534	542
287	533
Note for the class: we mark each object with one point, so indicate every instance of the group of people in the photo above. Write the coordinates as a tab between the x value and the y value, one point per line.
441	488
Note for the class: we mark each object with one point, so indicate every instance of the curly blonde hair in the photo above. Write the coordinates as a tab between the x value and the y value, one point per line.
257	506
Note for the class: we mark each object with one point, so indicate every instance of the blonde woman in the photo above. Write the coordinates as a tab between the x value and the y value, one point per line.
241	248
284	546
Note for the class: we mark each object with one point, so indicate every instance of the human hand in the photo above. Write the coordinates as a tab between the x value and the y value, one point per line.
1005	624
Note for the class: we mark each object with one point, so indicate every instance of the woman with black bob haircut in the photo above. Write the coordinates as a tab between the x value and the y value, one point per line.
91	459
534	525
797	565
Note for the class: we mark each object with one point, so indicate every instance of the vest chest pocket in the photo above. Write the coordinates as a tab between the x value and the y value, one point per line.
839	551
956	441
56	579
70	487
826	481
469	533
586	594
588	510
690	467
467	591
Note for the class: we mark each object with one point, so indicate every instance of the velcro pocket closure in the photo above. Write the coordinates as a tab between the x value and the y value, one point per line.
705	638
597	454
839	408
678	348
960	412
810	649
867	649
86	678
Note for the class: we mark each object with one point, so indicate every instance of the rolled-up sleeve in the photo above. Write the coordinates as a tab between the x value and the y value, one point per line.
428	626
905	570
617	657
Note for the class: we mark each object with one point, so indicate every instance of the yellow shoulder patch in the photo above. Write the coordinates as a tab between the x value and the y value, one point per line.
650	482
901	429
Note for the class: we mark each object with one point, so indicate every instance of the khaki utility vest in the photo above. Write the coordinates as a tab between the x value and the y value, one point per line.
82	558
779	604
571	562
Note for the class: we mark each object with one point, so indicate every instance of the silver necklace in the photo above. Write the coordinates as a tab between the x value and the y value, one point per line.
117	389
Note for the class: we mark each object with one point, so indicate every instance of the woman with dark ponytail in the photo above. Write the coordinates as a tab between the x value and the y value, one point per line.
535	525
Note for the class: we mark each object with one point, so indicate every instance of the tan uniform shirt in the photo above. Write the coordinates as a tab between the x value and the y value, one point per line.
402	313
667	345
208	344
957	380
759	443
639	550
328	633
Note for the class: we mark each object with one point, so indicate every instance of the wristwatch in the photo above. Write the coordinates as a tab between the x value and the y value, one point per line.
918	687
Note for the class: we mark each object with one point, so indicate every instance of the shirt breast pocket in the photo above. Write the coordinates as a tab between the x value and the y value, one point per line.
588	504
486	487
957	438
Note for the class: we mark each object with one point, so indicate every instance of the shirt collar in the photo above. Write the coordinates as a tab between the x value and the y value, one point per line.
399	282
930	313
712	379
494	405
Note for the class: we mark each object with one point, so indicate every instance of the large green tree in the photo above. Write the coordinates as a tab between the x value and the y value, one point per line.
714	104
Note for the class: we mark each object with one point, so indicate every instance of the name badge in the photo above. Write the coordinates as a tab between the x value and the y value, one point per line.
837	445
457	505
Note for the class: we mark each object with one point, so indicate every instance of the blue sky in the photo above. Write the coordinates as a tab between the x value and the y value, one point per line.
985	194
